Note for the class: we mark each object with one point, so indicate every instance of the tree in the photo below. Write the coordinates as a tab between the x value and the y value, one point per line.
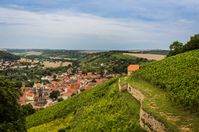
54	77
193	43
11	113
28	109
54	95
175	48
29	84
60	99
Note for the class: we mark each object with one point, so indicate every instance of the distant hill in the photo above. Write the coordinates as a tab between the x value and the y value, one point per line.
178	75
159	52
113	62
102	108
5	55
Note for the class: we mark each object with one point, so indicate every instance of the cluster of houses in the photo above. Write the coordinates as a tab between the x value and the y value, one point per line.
39	94
67	85
14	65
7	64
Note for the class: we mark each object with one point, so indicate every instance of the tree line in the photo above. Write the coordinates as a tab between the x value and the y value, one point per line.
178	47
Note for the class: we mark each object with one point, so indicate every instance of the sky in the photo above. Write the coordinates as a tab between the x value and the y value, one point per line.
96	24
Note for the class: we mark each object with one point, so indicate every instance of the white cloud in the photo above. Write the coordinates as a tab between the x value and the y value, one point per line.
67	29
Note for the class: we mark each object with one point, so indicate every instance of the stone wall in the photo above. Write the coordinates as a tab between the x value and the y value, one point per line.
136	93
147	121
123	87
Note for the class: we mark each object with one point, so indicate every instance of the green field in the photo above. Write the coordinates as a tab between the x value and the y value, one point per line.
100	109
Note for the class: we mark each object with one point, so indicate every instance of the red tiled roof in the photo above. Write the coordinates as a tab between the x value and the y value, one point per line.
133	67
67	94
53	82
22	99
88	87
72	90
30	93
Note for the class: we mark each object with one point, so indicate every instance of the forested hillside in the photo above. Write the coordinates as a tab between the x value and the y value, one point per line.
4	55
101	109
178	75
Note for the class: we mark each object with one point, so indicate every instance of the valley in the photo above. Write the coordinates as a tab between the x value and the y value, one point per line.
99	66
63	90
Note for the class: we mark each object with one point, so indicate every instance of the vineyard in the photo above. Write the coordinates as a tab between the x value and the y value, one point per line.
101	109
178	75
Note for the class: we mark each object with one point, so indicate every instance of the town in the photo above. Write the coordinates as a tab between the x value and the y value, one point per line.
64	85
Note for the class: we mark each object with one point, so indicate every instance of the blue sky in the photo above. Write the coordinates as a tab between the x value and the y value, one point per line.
96	24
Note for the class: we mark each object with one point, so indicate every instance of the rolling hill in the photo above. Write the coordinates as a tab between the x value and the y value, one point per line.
110	61
4	55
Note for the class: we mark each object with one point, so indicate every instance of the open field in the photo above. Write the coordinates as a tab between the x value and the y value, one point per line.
33	53
147	56
48	64
28	53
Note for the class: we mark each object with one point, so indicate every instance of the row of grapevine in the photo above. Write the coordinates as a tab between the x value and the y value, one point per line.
178	75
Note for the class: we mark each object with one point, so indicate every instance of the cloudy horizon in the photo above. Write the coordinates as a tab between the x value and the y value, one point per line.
96	25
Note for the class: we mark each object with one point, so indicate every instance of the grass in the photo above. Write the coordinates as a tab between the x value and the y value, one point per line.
158	104
53	126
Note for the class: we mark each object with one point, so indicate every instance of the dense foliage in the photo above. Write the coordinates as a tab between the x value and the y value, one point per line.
110	61
28	109
178	47
11	113
178	75
4	55
101	109
34	74
54	95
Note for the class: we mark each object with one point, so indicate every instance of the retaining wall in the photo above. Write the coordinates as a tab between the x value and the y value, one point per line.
147	121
